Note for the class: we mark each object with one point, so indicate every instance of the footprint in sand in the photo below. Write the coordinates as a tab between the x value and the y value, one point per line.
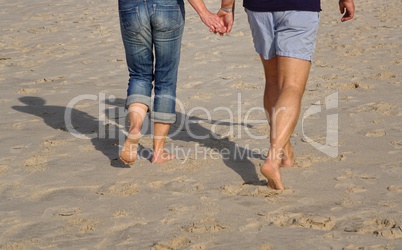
307	160
176	243
245	86
38	160
191	85
253	225
385	75
376	133
303	220
82	225
182	184
349	176
349	202
21	125
36	163
50	79
395	189
208	225
3	169
356	189
355	247
62	211
238	66
4	100
121	214
54	143
382	227
380	107
181	208
266	246
230	77
392	233
392	169
119	189
177	212
255	190
202	95
397	144
26	91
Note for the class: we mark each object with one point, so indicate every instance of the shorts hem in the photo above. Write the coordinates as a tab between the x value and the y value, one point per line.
266	56
297	56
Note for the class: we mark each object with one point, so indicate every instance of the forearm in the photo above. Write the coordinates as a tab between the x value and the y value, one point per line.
227	4
199	7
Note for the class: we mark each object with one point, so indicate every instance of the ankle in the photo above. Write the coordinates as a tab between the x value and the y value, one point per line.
158	151
272	163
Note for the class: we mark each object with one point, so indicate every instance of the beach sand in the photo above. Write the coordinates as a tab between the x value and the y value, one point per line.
63	187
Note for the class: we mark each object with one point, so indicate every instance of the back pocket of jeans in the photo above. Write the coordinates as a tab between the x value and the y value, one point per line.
168	17
130	20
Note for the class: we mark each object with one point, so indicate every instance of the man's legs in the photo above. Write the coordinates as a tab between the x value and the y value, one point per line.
286	80
271	95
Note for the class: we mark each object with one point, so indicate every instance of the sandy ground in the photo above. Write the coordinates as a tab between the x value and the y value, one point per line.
61	190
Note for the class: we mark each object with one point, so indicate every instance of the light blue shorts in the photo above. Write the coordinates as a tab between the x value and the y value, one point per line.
284	33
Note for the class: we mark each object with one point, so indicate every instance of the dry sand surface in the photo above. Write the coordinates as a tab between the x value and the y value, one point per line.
61	191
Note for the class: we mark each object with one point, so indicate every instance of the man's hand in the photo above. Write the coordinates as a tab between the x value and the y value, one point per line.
347	8
227	19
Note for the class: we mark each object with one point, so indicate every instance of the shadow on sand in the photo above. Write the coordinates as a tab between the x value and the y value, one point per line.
85	125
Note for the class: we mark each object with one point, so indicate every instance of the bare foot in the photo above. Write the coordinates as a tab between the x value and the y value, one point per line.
289	159
128	154
162	157
273	175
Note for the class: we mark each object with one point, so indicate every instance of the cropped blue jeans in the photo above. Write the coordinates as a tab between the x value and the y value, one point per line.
152	32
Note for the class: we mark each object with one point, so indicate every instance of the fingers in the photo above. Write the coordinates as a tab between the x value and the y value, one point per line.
214	23
348	16
341	8
219	29
229	27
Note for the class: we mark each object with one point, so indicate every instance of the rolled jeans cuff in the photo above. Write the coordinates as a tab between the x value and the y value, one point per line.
163	117
139	99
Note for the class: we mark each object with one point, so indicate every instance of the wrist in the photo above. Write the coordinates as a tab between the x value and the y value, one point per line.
227	10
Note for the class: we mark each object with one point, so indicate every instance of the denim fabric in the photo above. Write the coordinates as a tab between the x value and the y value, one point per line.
152	31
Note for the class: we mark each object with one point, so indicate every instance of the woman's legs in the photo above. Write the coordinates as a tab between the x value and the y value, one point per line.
286	79
136	114
168	26
160	29
160	132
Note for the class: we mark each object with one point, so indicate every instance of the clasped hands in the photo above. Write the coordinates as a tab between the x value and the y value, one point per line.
220	22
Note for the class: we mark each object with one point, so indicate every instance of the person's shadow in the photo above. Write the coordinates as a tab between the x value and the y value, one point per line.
85	126
234	156
78	123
